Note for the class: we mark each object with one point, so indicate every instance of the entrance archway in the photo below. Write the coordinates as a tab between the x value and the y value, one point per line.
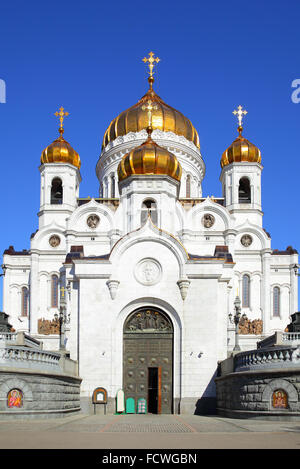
148	359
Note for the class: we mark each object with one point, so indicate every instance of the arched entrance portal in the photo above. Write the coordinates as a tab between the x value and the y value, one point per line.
148	359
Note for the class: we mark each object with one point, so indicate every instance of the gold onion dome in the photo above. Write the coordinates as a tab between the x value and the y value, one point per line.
241	149
164	118
149	159
60	151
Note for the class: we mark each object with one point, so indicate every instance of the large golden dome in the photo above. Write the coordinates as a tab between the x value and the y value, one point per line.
149	159
241	150
60	151
164	117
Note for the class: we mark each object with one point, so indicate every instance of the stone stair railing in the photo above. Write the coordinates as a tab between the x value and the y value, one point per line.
19	350
280	338
20	338
8	336
291	337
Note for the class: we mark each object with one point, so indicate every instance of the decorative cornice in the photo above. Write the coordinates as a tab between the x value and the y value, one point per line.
179	145
156	135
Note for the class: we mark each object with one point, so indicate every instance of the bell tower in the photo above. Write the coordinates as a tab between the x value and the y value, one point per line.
241	176
60	179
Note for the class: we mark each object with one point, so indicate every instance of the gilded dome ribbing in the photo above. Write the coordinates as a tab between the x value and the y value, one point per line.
60	151
241	150
149	159
164	118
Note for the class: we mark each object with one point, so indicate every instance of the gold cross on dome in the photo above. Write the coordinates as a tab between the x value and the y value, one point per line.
240	112
150	107
151	62
62	291
61	115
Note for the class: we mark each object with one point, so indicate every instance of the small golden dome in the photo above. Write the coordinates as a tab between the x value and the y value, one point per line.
241	150
148	159
60	151
164	118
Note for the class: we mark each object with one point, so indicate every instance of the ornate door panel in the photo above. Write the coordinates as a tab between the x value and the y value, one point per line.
148	343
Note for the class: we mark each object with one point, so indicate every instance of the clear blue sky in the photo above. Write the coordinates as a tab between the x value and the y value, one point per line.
86	56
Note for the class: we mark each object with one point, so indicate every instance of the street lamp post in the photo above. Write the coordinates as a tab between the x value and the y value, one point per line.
237	317
296	267
62	319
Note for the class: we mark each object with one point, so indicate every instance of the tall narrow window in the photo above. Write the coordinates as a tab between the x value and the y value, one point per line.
188	186
276	301
246	291
25	301
56	192
105	188
149	207
54	291
244	191
113	187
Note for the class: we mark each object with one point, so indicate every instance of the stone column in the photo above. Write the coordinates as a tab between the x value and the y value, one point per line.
34	293
265	297
294	290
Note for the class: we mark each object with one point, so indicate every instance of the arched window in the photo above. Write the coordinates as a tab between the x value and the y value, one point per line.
276	301
25	301
188	186
54	291
56	192
246	291
244	191
149	206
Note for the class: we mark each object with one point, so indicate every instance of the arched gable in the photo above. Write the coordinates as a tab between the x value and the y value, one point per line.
82	213
150	233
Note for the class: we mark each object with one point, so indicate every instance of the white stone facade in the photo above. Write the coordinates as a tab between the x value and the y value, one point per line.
190	264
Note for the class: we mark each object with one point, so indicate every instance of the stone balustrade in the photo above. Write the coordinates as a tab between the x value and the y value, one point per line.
19	350
267	358
48	381
16	356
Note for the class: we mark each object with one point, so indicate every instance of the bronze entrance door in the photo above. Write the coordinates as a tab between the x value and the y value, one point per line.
148	359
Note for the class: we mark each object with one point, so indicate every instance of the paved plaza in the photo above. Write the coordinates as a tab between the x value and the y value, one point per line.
148	432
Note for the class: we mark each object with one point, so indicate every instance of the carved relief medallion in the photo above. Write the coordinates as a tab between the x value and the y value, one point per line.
93	221
208	220
54	241
148	271
246	240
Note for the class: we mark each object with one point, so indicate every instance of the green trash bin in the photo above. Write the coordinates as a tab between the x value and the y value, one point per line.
130	405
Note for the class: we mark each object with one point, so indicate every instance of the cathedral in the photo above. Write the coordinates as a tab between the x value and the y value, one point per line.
138	283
